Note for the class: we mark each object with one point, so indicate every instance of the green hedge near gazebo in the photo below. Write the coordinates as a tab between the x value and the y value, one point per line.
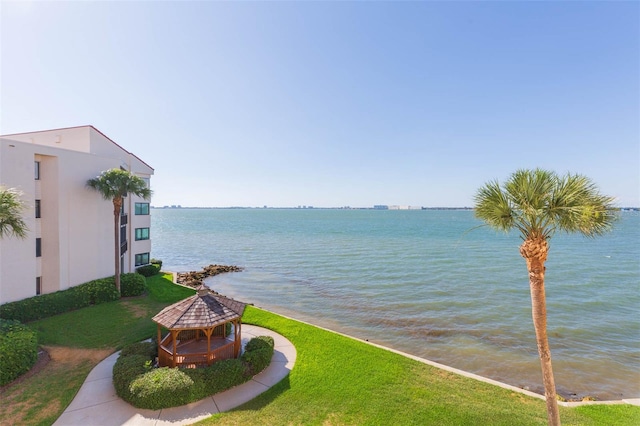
143	386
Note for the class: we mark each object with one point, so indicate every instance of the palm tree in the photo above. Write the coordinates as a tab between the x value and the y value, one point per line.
538	203
11	208
114	184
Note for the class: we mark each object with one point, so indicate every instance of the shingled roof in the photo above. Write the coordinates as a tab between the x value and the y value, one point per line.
204	309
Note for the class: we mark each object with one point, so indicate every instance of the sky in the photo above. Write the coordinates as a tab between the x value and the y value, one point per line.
331	103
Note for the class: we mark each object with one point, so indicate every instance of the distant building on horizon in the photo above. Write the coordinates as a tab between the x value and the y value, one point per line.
405	207
70	227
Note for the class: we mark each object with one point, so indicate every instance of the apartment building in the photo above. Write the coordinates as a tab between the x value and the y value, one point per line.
70	226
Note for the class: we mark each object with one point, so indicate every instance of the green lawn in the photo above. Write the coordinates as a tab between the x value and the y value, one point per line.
336	380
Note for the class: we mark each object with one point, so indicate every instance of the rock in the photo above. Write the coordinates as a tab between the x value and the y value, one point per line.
195	278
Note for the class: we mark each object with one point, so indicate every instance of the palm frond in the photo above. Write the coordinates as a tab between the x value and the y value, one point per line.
538	203
11	210
116	183
494	207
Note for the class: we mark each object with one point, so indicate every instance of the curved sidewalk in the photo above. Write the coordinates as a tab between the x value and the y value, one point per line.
97	403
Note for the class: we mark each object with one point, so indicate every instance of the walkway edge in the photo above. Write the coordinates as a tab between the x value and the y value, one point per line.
96	403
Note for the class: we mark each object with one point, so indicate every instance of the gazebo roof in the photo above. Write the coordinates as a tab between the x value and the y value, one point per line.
204	309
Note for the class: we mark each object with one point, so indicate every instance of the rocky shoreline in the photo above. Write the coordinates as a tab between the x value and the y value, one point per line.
195	278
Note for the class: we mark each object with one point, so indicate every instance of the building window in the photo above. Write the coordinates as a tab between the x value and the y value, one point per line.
142	259
37	170
123	235
142	208
37	209
38	285
38	247
142	234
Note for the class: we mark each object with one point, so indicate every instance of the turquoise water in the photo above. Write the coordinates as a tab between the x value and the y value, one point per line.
427	283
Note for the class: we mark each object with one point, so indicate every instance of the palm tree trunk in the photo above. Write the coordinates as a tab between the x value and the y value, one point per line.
117	205
535	253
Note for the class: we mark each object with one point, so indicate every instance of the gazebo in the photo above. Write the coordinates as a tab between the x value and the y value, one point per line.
203	329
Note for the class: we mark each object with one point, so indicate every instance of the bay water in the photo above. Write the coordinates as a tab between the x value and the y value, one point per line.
433	283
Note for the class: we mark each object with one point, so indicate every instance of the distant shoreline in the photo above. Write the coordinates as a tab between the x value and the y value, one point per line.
391	208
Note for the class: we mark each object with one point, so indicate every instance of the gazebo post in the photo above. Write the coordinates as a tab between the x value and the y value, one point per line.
237	338
159	343
174	334
209	332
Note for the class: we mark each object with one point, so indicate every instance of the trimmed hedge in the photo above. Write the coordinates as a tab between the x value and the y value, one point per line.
258	353
132	284
18	350
148	349
170	387
162	387
34	308
125	370
148	270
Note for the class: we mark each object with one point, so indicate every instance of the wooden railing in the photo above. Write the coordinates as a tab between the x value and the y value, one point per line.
165	355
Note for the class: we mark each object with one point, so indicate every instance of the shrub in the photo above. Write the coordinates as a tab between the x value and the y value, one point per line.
157	262
257	360
169	387
148	270
259	342
161	388
46	305
18	350
131	284
148	349
98	291
125	370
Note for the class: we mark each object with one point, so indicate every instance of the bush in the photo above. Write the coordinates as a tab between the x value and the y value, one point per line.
170	387
157	262
125	370
260	342
161	388
148	349
18	350
98	291
148	270
132	284
46	305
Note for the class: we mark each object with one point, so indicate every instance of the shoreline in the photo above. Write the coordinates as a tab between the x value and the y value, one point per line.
567	403
630	401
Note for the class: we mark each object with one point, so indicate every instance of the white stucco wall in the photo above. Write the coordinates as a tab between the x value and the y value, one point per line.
76	226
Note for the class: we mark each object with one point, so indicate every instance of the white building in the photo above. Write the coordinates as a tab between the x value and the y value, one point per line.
70	226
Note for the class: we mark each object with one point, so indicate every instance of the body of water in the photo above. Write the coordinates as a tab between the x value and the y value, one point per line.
430	283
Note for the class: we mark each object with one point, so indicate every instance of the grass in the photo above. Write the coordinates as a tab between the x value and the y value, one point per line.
77	341
336	380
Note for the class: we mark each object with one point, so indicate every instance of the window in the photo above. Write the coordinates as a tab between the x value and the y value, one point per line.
142	234
38	247
37	170
123	235
38	285
142	259
37	209
142	208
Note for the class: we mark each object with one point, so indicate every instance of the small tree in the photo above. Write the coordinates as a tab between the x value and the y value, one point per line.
11	209
113	185
538	203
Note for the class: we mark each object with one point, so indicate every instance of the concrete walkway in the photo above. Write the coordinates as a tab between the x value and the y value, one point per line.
97	403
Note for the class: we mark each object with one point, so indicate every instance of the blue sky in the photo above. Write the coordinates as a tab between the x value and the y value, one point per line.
335	103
